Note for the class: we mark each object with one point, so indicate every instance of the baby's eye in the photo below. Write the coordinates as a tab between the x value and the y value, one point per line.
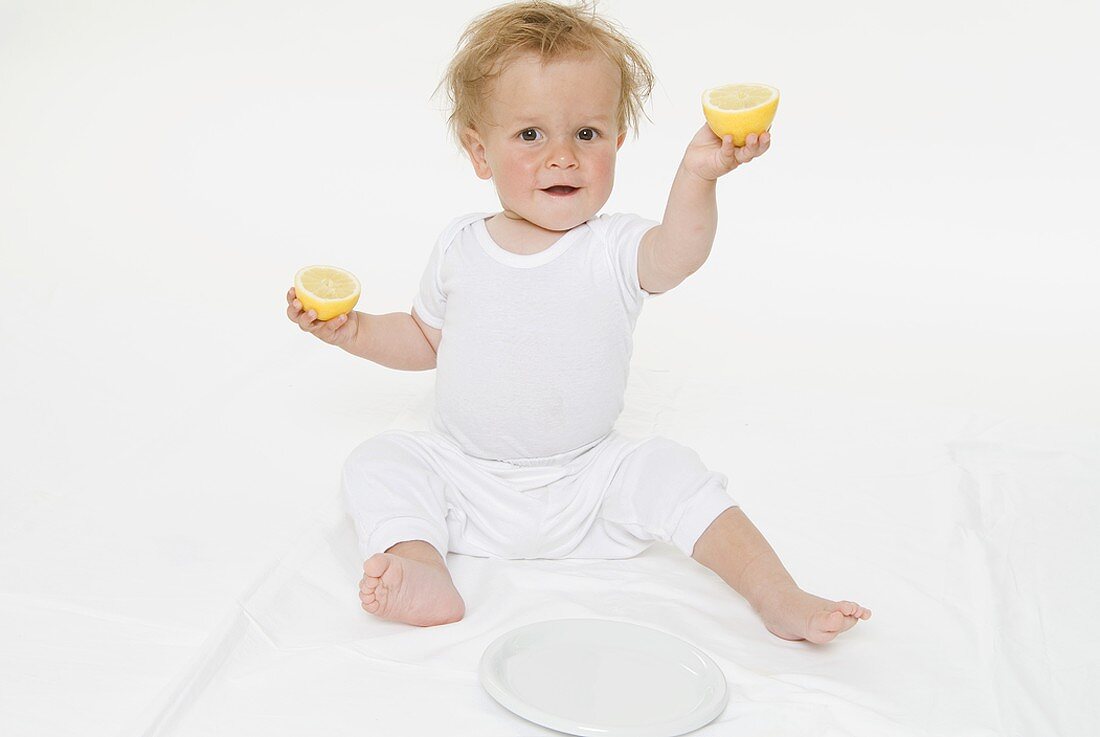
523	135
592	131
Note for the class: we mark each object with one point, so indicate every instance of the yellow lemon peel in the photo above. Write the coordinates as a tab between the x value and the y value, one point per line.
740	109
327	290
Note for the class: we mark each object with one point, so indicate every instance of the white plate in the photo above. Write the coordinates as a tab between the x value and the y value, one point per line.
596	677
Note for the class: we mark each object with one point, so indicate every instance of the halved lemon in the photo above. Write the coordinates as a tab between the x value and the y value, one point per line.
740	109
327	290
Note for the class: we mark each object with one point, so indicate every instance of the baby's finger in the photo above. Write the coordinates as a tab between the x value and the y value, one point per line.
334	325
328	327
293	307
306	320
728	152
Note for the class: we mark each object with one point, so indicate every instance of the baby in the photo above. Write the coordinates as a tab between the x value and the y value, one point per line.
527	314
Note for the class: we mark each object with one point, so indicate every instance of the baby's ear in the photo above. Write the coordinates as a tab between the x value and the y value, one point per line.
619	143
471	141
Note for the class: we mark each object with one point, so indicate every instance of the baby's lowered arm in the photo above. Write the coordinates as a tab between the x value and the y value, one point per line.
397	340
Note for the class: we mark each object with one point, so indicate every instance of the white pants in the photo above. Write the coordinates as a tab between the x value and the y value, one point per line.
611	500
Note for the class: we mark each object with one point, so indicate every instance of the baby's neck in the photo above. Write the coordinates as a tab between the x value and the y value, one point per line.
519	235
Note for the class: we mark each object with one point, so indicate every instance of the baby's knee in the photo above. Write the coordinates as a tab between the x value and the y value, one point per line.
383	447
391	477
372	467
665	474
385	455
661	456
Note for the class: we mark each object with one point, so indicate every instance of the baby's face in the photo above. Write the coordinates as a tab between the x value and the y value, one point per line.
550	125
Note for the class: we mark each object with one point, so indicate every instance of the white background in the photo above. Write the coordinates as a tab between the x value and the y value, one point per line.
918	229
918	232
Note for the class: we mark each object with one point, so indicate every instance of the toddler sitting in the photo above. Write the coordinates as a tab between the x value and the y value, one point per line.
527	315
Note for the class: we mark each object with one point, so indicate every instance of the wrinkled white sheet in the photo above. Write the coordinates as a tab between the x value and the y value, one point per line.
972	538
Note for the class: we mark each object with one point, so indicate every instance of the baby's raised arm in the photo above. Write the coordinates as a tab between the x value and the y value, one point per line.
396	340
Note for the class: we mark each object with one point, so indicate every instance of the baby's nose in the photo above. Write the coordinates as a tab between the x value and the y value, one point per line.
562	161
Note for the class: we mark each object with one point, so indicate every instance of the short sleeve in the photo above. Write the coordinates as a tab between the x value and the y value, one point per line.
430	302
623	235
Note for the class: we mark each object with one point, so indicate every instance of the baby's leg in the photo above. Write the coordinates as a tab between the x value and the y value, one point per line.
664	489
410	583
733	548
397	499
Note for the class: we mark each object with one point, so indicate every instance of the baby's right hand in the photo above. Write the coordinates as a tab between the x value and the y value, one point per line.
338	331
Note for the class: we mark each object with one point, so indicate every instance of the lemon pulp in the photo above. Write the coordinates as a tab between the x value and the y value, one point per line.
327	290
740	109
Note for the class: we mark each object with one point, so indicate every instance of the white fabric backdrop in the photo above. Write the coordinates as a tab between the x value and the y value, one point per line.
915	239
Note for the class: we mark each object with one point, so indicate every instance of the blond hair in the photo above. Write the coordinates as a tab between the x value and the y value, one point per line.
553	31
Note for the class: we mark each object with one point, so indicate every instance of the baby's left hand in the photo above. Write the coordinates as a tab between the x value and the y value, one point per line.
709	156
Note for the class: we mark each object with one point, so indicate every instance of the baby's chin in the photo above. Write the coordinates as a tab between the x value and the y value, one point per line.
557	221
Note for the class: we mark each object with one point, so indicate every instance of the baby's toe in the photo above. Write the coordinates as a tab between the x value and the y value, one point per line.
837	622
376	565
852	609
825	626
375	597
849	608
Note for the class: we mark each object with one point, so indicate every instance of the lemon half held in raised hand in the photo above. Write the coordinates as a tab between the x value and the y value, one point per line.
740	109
327	290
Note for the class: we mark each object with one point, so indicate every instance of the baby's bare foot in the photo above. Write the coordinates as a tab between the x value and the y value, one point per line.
409	591
796	615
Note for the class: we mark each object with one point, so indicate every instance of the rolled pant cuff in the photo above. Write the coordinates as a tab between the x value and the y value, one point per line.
698	517
402	529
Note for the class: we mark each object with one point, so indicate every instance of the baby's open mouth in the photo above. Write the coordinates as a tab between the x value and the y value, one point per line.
560	190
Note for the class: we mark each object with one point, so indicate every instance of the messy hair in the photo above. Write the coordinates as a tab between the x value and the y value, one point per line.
553	31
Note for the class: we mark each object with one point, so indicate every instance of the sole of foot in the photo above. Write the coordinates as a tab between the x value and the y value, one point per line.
410	591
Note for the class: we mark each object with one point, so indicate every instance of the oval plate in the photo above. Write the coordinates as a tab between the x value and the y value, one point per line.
600	678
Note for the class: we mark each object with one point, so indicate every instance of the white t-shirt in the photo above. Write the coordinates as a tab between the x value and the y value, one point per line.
536	348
